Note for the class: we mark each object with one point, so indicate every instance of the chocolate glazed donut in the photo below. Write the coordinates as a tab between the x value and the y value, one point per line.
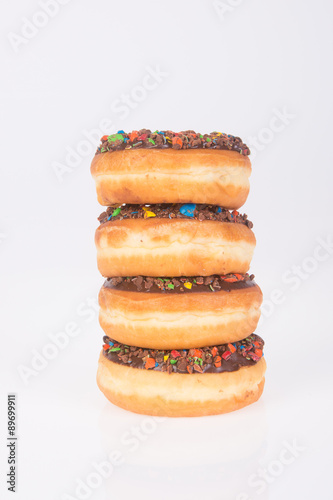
173	240
165	313
192	382
169	167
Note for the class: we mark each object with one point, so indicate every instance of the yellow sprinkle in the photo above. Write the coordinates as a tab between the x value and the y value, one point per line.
166	357
188	285
149	214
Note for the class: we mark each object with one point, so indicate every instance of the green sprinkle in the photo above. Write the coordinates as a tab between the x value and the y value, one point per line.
212	289
208	139
170	285
194	281
173	361
115	137
151	140
201	136
161	279
116	212
114	349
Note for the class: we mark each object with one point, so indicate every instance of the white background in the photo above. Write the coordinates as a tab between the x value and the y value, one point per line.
231	71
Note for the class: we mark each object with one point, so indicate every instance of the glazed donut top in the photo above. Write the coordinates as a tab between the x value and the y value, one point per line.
187	139
184	284
173	211
217	359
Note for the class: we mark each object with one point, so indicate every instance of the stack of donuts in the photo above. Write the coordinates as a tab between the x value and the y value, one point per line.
178	307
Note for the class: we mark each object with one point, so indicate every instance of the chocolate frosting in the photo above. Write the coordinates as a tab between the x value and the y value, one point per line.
165	139
216	359
184	284
173	211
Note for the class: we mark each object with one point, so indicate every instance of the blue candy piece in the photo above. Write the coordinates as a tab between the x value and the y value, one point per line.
156	364
120	132
219	210
110	217
188	209
110	343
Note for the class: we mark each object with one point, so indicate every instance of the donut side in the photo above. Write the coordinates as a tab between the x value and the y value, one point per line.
176	320
219	177
179	395
173	247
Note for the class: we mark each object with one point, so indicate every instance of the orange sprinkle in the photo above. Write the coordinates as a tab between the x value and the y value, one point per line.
177	140
197	353
106	347
258	352
239	276
150	363
232	348
133	135
218	362
214	351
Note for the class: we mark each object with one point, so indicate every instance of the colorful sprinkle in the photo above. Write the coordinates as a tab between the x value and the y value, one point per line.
150	363
149	214
116	212
188	209
232	348
115	137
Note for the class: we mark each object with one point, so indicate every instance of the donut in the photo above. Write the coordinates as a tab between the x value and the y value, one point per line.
168	167
187	383
173	240
165	313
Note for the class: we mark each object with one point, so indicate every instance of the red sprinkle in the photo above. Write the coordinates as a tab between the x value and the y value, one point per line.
258	352
226	355
175	354
106	347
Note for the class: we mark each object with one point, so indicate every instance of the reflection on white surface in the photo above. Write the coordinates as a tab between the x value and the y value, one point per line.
212	454
148	440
